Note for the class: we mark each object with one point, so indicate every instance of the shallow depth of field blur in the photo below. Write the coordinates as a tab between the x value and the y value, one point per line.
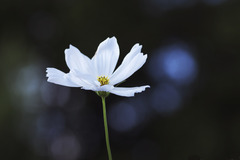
191	111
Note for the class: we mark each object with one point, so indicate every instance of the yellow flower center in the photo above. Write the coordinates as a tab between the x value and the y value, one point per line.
103	80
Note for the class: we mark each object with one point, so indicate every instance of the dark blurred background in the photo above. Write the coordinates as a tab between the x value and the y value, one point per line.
191	111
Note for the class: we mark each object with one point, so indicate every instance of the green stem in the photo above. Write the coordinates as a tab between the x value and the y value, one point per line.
106	129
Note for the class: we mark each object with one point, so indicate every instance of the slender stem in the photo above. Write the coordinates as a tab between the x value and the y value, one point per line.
106	129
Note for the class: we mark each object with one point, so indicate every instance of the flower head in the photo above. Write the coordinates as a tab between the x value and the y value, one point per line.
97	74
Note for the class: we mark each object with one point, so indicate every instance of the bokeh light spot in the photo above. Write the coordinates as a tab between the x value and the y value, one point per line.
50	125
123	117
26	87
174	62
179	65
54	95
65	147
166	99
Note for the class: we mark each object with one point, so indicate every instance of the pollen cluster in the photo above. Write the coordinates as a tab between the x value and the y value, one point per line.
103	80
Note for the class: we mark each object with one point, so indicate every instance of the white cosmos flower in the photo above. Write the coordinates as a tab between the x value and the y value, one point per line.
98	73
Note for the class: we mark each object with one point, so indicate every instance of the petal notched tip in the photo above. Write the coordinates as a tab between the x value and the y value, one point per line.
71	49
109	41
112	38
141	89
52	72
58	77
128	91
137	46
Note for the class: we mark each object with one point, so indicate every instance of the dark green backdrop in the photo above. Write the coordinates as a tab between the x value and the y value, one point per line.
191	111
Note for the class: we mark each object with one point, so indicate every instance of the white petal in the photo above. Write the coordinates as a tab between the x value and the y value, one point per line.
86	81
128	91
128	67
106	88
77	61
127	59
133	52
58	77
106	57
